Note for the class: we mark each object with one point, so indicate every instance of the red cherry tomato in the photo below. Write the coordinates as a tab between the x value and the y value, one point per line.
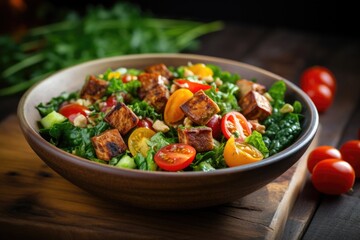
215	125
235	124
175	157
145	122
350	152
192	86
318	75
321	95
111	101
320	153
71	110
320	84
333	176
128	78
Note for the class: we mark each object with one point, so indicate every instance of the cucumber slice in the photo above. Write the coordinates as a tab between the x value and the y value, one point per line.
126	162
52	118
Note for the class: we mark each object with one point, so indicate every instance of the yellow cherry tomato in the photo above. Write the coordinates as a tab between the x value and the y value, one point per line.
201	70
138	141
173	114
239	153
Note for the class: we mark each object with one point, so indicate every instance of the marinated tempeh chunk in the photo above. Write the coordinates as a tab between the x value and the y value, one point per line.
151	80
108	144
122	118
153	90
245	86
198	137
93	88
160	69
255	106
157	97
200	108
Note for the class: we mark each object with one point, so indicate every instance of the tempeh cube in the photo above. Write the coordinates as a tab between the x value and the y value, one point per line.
151	80
255	106
198	137
122	118
108	144
157	97
94	88
160	69
245	86
200	108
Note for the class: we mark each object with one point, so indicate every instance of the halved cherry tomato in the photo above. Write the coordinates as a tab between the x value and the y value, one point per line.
235	124
318	75
192	86
215	125
72	110
320	153
137	141
333	176
145	122
173	113
350	152
175	157
128	78
201	70
240	153
111	101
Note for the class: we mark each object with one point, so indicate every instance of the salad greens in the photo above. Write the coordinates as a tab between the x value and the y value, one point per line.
282	126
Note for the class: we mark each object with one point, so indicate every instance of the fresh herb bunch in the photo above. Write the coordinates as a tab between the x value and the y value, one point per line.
123	29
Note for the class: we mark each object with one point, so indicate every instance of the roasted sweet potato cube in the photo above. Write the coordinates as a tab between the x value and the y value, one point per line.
122	118
255	106
108	144
200	108
198	137
160	69
157	97
93	88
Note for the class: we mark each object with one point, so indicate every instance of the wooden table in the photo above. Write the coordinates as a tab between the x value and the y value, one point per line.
39	204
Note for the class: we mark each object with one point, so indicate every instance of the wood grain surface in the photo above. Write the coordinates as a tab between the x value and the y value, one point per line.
44	205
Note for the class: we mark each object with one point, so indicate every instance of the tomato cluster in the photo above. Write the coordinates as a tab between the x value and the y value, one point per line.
334	170
319	84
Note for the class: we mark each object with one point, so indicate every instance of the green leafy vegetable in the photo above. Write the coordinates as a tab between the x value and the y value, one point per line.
210	160
159	140
116	85
142	109
74	139
225	76
277	92
54	103
225	98
146	163
257	141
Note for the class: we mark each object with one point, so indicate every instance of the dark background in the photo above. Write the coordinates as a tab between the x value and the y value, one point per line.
331	17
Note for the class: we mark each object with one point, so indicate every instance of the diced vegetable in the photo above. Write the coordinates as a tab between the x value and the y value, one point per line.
52	118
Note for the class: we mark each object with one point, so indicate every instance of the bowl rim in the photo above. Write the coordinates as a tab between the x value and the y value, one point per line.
305	138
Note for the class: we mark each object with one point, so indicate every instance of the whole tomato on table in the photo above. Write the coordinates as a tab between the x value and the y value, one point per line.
321	153
350	152
333	176
319	83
